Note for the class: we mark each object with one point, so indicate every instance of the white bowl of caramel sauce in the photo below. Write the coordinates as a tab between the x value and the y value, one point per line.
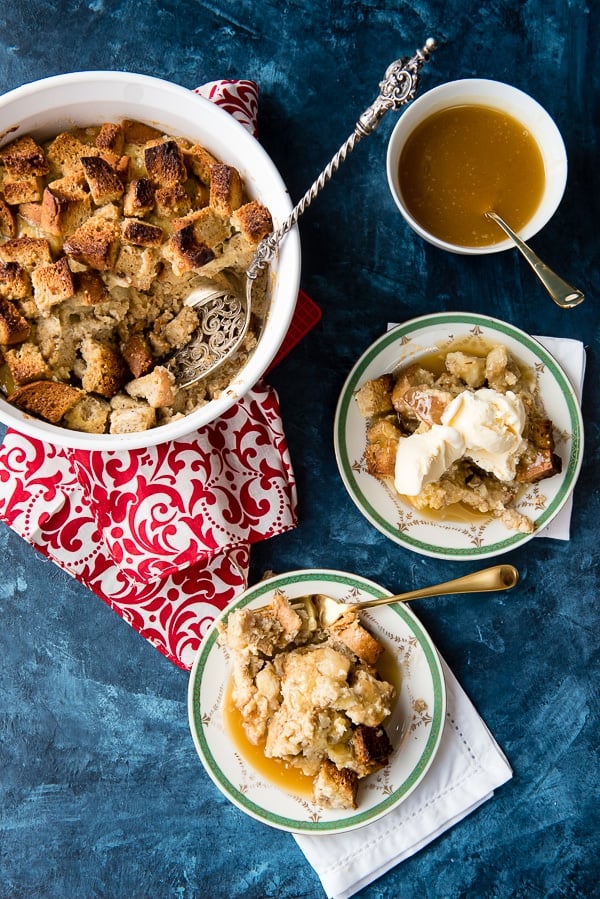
472	146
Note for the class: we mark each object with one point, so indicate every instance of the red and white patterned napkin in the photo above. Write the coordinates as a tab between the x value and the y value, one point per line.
163	534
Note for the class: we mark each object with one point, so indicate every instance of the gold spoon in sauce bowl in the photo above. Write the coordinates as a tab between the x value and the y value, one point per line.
563	294
325	609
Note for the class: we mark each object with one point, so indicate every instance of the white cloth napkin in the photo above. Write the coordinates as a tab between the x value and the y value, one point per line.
570	355
468	767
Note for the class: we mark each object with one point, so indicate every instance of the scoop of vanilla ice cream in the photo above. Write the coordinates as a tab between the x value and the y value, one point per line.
423	458
491	424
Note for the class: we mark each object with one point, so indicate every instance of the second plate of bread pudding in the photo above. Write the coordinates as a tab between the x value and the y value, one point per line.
458	436
311	729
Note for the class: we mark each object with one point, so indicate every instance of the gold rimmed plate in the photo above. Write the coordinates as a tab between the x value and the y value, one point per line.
480	537
415	726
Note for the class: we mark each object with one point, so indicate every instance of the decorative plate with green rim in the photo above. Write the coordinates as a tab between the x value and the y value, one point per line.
414	728
480	537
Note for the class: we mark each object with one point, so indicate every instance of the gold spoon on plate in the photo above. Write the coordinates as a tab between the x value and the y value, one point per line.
561	292
324	610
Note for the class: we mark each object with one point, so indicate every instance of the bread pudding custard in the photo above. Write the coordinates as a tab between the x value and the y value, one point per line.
311	696
104	233
460	433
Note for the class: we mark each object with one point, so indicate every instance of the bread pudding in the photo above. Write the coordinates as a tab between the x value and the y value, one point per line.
462	428
104	233
311	695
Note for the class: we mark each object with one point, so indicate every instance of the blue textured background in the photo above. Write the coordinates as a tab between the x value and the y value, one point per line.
101	792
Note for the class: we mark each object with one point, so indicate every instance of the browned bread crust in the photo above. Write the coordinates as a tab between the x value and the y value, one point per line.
27	251
104	183
253	220
94	243
142	234
104	373
226	193
139	197
372	748
14	328
334	787
165	164
15	283
24	156
111	137
26	364
8	227
186	253
48	399
52	284
137	355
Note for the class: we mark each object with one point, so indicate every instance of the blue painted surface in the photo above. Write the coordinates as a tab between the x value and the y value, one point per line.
101	792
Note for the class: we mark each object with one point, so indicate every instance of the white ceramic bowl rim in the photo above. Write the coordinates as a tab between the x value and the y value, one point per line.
49	105
514	102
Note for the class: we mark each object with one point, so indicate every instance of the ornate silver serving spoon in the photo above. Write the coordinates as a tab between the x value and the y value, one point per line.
224	314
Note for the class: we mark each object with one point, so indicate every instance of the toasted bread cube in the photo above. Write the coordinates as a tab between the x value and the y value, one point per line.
157	387
13	327
95	243
139	198
90	289
140	265
137	355
27	251
52	284
178	331
89	414
65	152
372	748
104	372
65	206
185	253
104	183
48	399
24	156
209	227
8	226
32	214
335	787
141	234
359	640
22	189
27	364
173	200
374	397
15	283
383	437
469	368
129	415
226	193
253	221
428	403
200	162
165	164
111	137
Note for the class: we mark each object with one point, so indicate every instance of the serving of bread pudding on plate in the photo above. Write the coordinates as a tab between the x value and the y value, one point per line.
104	233
310	695
464	428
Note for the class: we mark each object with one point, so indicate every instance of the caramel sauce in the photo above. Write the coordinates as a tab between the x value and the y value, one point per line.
464	161
283	775
278	772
